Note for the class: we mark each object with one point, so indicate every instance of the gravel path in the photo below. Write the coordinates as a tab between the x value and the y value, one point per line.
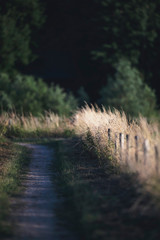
33	212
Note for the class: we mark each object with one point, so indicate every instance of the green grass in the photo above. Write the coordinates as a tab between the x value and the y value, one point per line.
101	202
13	162
80	201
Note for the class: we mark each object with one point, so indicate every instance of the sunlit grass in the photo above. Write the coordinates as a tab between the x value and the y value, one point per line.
49	124
92	124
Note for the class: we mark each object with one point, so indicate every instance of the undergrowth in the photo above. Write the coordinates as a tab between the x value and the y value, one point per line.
100	201
13	161
105	197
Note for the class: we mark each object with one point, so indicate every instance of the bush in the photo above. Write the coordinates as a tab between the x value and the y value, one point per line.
127	91
25	94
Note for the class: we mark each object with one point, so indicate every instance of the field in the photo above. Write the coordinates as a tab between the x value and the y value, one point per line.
134	145
106	162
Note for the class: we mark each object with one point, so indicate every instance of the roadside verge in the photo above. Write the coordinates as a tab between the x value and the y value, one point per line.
13	162
102	202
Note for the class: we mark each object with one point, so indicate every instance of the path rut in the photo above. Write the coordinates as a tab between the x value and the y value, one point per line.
33	212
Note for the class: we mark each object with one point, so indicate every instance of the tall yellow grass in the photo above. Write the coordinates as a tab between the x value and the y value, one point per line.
49	122
96	122
92	124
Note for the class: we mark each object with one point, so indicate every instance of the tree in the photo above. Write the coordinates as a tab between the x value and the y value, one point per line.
130	28
128	92
19	22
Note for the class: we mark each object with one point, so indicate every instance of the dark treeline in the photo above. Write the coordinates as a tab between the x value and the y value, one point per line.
20	32
103	30
20	22
86	46
70	31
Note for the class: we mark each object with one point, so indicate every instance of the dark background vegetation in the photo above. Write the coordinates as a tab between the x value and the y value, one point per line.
82	47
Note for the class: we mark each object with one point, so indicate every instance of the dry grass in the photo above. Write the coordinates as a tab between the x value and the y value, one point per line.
93	122
49	123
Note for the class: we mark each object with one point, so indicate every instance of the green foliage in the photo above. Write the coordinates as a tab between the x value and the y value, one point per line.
127	31
27	95
19	22
129	28
128	91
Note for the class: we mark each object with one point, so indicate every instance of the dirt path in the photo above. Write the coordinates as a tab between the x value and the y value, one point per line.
33	212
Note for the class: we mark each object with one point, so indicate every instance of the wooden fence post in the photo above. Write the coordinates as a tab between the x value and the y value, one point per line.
10	123
121	143
156	159
127	148
109	134
136	147
146	150
115	144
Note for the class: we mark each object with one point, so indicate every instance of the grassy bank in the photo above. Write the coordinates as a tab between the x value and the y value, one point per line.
13	160
131	143
102	202
49	125
111	192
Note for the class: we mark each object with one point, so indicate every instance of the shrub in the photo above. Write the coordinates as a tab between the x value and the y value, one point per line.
127	91
27	95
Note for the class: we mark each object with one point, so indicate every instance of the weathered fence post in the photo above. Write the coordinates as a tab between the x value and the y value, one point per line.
115	144
136	147
127	148
146	150
156	159
109	134
121	143
10	123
